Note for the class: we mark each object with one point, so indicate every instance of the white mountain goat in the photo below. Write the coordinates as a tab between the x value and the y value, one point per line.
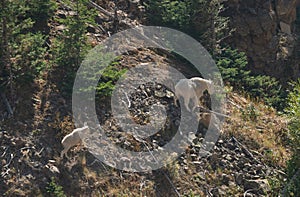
192	88
72	139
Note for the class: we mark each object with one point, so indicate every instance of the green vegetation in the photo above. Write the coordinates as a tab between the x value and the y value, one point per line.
109	77
199	18
70	47
23	48
293	111
233	67
30	56
250	113
171	13
34	53
40	11
102	67
54	189
202	20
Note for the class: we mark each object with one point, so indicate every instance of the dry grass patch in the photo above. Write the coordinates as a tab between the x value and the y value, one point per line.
252	121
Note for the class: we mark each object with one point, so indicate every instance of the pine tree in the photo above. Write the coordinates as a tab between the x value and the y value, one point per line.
199	18
11	13
40	11
4	56
21	50
71	46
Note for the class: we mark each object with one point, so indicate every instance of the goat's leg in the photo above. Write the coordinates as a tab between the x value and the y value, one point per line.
186	103
65	152
195	102
62	153
175	101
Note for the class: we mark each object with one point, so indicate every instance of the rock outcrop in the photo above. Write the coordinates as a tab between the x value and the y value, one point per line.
266	31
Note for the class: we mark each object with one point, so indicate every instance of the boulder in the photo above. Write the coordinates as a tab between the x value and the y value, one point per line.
285	28
261	186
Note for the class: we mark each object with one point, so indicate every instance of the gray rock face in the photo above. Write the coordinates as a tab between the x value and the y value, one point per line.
262	28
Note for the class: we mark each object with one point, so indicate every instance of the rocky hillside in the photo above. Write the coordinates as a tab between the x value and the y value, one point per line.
248	159
268	32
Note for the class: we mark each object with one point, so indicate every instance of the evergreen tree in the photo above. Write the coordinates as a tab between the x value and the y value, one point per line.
71	46
200	18
13	24
40	11
22	52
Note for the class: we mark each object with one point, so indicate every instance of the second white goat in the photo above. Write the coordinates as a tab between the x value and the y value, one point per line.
71	140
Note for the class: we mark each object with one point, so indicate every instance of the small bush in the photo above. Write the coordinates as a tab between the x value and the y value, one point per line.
250	113
54	189
101	68
109	77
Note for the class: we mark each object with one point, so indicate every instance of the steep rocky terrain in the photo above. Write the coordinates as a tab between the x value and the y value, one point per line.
248	159
267	31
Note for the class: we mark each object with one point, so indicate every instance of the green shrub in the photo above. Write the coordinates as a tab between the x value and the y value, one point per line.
41	9
109	77
233	67
102	68
29	52
267	88
22	54
54	189
173	13
250	113
293	112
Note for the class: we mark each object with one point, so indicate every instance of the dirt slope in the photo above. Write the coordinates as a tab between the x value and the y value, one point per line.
248	158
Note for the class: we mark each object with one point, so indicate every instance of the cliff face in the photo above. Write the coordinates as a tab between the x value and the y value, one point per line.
267	31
